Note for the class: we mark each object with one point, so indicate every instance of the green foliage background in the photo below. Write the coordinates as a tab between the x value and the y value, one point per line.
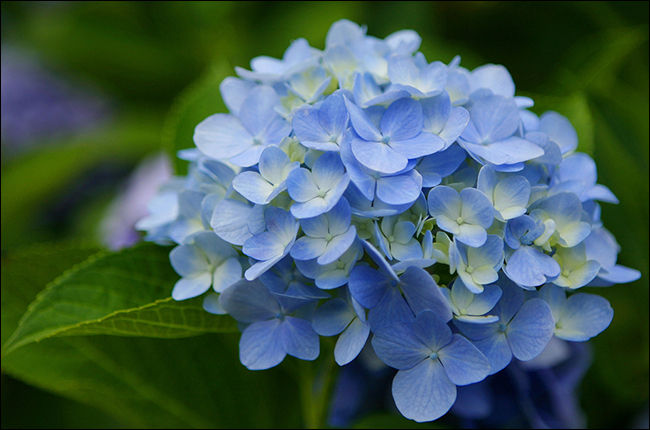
160	64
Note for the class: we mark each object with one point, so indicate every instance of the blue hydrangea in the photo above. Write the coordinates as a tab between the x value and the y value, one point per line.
417	210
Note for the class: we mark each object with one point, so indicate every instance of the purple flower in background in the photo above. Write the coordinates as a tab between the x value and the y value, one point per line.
38	105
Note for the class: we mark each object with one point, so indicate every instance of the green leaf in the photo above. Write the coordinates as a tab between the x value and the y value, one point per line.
51	259
200	100
124	293
143	382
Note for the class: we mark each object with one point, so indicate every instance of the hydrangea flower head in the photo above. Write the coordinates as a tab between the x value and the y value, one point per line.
413	208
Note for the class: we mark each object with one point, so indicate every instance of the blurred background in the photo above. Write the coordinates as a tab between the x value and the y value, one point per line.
97	95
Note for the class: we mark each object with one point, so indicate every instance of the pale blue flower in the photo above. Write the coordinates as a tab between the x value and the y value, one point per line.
559	130
273	244
317	191
346	317
396	239
579	317
273	331
235	221
524	329
490	135
577	174
509	195
472	308
431	361
297	57
322	127
527	265
262	187
602	247
335	274
397	189
414	75
477	267
327	236
466	215
241	139
576	270
386	147
435	167
561	215
392	299
204	261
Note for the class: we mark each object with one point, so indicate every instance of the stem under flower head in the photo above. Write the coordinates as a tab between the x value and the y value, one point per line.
316	381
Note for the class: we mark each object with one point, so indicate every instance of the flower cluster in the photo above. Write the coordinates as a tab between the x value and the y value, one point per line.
363	192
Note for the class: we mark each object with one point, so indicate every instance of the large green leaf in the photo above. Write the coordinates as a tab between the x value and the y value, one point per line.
18	271
124	293
194	382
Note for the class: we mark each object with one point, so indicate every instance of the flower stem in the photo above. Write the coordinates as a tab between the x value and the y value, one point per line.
316	383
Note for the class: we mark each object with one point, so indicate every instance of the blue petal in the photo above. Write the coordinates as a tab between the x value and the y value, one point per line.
511	300
351	342
252	186
368	285
309	131
432	330
258	109
495	349
332	317
422	293
436	166
360	122
186	288
494	77
560	130
301	186
378	156
379	260
511	197
333	115
234	91
273	164
510	151
399	189
484	302
260	346
249	301
455	126
337	246
328	171
531	329
443	200
418	146
226	274
397	346
222	136
299	339
424	392
529	267
391	309
211	304
307	248
436	111
463	362
402	120
235	221
263	246
189	260
583	317
493	118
